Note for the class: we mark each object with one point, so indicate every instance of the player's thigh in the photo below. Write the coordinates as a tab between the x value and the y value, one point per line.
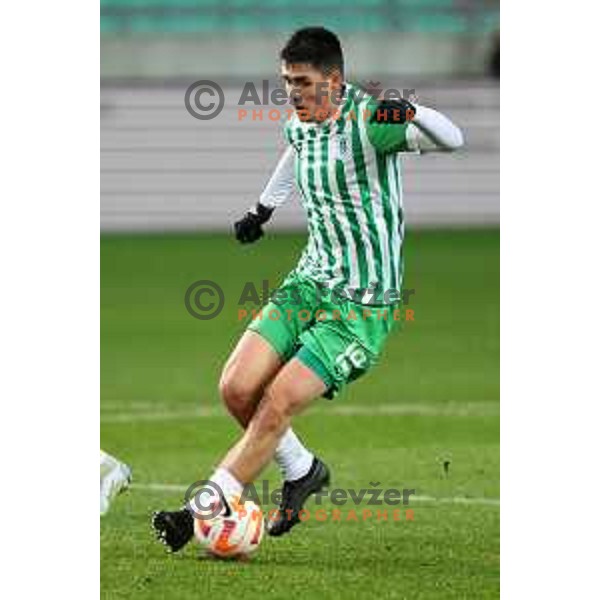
251	367
294	387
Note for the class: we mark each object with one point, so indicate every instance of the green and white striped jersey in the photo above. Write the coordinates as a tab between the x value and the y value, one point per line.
352	195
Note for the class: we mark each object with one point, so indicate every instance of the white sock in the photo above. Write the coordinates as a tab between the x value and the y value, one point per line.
227	482
293	458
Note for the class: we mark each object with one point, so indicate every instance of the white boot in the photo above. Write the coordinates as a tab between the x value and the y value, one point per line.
115	478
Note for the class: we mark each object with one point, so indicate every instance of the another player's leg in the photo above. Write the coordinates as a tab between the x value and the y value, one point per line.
115	478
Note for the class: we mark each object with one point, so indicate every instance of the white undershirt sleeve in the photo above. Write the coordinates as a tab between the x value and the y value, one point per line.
280	186
431	131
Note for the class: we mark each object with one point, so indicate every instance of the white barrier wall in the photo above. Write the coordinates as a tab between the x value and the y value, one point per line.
410	54
164	170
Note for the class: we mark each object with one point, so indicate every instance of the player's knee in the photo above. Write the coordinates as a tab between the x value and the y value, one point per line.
282	402
272	415
236	393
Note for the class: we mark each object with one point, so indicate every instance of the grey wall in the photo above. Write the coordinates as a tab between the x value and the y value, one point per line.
164	170
393	54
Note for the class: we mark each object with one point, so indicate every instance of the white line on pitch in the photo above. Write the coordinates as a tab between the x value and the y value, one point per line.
174	487
477	409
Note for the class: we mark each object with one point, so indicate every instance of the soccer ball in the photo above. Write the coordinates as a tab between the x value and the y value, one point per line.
235	533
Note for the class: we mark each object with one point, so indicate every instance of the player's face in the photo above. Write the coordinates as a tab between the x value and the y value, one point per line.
314	94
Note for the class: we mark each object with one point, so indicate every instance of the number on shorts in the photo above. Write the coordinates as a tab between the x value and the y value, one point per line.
352	357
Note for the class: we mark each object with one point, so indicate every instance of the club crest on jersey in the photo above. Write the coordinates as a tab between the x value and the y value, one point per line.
341	148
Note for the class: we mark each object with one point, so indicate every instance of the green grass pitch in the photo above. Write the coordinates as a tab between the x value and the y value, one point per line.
433	399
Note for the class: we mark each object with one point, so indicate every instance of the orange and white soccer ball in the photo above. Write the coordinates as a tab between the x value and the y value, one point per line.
235	534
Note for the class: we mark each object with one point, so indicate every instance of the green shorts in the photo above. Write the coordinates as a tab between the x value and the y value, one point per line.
337	339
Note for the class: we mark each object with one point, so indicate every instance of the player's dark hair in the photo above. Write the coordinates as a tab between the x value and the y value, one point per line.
316	46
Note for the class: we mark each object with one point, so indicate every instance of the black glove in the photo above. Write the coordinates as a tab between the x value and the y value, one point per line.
249	228
394	112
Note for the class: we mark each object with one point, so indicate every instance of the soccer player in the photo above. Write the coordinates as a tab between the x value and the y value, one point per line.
115	478
344	157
